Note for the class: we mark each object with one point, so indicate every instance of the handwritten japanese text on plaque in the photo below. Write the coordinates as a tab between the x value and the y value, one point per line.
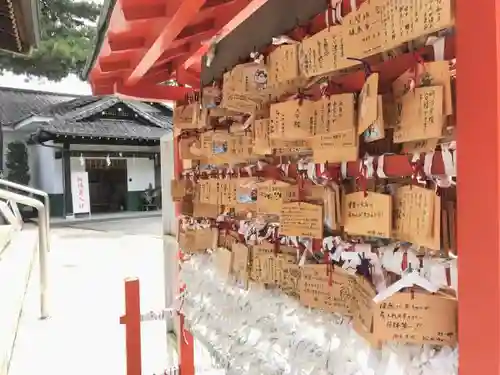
270	268
415	215
263	267
364	35
423	146
369	215
334	140
301	219
239	267
283	64
323	52
322	290
362	302
413	211
292	119
289	282
262	142
368	103
227	192
418	318
421	115
195	241
285	147
334	113
272	194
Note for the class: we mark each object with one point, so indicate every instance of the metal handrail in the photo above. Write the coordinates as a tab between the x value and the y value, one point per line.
29	189
43	240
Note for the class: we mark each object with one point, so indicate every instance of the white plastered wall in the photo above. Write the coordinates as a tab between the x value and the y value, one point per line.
140	173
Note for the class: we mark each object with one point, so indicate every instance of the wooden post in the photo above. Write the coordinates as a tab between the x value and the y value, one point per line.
478	170
132	321
66	165
185	339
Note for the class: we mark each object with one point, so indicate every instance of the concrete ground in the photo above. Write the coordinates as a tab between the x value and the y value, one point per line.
88	264
150	226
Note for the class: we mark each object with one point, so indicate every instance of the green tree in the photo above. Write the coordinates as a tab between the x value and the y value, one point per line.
17	163
67	36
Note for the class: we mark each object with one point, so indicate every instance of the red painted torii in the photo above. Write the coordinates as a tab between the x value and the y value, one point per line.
152	41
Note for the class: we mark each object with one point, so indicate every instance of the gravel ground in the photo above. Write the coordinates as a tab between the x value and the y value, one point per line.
88	264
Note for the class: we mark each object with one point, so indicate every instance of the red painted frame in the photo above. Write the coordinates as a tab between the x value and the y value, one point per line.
478	134
132	322
150	42
478	102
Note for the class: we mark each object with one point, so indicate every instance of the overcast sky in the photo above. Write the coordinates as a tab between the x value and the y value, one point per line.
70	85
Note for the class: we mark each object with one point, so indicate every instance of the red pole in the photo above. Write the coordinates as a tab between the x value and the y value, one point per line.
185	339
132	321
478	194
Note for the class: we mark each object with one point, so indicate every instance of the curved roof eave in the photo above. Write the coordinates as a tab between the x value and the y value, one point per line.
102	28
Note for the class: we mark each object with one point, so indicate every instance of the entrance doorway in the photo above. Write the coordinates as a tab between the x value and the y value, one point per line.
107	184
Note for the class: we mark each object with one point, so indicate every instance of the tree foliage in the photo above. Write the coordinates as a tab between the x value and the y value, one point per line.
17	163
67	30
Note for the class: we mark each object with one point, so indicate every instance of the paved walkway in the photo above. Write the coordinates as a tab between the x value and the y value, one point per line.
83	335
151	226
103	217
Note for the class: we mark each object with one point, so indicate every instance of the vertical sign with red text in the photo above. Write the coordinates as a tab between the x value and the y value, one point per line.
80	192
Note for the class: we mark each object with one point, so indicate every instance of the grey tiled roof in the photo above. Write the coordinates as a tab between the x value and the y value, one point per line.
17	104
70	115
106	128
62	109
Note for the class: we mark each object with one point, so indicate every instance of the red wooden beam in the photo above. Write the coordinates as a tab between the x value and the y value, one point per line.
140	12
137	37
126	59
224	14
132	322
478	195
102	77
196	67
161	71
156	75
394	166
173	53
184	14
187	77
125	41
197	28
165	71
121	29
400	166
230	26
102	90
148	9
151	93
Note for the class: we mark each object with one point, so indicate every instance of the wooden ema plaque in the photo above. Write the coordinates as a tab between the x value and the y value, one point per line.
301	219
319	289
369	215
417	317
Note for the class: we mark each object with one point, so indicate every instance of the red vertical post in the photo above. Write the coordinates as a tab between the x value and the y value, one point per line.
132	321
185	339
478	170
